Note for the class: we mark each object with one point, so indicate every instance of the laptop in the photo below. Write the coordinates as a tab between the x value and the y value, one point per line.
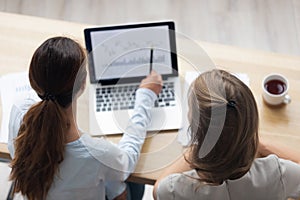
119	58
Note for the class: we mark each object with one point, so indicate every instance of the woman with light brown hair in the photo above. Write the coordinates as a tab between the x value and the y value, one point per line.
52	157
222	159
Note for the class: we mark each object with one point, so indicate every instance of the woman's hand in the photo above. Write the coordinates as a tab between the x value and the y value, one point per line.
153	82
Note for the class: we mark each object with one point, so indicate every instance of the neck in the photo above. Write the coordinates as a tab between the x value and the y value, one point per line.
72	133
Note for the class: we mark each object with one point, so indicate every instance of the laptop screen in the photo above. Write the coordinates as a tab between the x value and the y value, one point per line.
123	52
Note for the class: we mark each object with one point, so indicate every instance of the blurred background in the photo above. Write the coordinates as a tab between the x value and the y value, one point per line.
271	25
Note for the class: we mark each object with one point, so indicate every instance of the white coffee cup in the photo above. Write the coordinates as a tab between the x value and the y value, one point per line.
275	89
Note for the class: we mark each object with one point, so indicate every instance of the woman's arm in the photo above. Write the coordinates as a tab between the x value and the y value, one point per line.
122	159
135	133
179	166
266	148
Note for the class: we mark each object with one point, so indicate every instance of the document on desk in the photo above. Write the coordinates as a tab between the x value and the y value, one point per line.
183	135
13	87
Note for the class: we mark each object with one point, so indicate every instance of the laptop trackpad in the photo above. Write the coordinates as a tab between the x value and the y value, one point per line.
117	121
161	119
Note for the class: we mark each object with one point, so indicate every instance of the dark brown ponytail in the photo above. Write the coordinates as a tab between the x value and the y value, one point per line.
39	147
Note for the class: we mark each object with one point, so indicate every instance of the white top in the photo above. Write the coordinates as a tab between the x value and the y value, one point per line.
95	167
268	178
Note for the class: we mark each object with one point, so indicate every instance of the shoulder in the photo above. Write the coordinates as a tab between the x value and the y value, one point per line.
287	165
166	187
266	162
188	186
264	169
283	174
276	170
177	185
274	163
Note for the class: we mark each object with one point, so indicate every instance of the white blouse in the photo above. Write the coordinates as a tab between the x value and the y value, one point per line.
269	178
94	167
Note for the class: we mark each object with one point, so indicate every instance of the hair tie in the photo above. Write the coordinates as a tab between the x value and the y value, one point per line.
47	97
231	104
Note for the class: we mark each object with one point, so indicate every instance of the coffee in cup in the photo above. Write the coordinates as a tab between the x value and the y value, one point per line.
275	89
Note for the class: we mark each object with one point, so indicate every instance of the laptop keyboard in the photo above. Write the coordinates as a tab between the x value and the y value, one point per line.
123	97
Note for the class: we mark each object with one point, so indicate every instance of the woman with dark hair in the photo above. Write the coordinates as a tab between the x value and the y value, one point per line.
52	158
221	161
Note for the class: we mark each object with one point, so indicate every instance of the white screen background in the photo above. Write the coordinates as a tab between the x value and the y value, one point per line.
125	53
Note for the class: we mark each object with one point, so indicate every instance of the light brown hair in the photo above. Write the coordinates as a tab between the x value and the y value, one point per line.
39	147
219	101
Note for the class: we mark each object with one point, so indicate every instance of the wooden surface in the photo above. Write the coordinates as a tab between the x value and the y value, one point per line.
21	35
